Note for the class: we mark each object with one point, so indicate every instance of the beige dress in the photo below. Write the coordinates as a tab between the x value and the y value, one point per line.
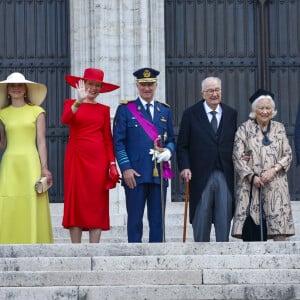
276	199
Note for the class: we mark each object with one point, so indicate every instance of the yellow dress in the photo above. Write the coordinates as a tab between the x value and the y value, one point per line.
24	214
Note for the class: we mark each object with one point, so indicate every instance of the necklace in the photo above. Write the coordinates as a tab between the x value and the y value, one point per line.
266	141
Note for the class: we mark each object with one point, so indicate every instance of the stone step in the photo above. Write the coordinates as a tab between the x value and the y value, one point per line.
173	221
118	208
121	231
121	219
119	235
174	233
149	249
113	239
149	262
151	277
104	278
276	291
170	220
258	270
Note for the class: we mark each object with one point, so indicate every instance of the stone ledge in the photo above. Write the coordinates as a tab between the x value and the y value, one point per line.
161	292
147	262
101	278
142	249
150	277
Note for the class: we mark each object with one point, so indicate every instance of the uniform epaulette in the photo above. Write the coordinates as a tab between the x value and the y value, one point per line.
126	101
163	103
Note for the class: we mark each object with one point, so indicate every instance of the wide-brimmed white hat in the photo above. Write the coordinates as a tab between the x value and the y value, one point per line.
36	92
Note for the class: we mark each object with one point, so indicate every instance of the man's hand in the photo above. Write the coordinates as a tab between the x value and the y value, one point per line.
164	156
129	177
81	92
154	153
186	175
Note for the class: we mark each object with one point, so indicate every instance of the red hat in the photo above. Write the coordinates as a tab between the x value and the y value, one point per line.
94	75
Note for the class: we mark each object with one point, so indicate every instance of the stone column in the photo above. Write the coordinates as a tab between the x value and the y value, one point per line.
119	37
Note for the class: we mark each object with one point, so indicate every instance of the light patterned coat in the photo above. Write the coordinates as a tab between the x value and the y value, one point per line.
276	199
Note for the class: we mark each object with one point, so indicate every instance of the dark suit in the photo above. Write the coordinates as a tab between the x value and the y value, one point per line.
132	147
297	136
199	148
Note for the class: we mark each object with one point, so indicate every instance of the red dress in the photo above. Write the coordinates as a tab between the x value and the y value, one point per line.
88	154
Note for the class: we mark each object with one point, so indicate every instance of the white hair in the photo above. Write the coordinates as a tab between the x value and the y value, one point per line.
252	114
204	82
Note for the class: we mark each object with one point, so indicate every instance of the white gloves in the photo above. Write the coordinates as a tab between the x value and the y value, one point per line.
160	156
164	156
154	153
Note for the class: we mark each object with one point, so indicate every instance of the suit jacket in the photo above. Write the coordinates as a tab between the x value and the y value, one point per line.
198	148
132	144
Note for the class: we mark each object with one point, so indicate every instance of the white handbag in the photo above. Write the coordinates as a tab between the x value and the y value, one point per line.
42	186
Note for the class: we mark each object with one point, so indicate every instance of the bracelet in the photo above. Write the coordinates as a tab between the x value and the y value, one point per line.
76	104
276	169
112	163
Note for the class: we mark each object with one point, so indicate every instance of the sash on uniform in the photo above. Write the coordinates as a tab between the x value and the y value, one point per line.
152	132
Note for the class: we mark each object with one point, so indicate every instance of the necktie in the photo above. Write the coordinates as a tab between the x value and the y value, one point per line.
148	110
214	121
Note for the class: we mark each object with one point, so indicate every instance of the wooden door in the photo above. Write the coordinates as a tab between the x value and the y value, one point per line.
34	39
248	44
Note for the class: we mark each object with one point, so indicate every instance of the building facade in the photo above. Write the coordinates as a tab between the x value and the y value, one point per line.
248	44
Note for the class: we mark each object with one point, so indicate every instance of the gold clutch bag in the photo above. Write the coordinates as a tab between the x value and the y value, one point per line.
41	186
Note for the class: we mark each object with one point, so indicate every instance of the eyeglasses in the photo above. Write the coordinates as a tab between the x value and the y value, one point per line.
212	91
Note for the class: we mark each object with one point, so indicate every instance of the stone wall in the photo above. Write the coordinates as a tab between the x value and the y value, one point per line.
119	37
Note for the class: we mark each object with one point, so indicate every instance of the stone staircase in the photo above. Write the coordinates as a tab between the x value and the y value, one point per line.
174	224
118	218
151	271
115	269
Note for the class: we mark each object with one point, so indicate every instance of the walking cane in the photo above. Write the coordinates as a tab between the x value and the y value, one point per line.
261	215
186	203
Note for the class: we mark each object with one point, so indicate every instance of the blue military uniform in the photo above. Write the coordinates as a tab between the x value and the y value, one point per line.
132	145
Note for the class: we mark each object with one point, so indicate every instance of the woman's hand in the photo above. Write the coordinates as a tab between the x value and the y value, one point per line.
113	173
268	175
114	177
257	182
48	174
81	92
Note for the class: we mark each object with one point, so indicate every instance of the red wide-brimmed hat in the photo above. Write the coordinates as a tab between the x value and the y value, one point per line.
94	75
